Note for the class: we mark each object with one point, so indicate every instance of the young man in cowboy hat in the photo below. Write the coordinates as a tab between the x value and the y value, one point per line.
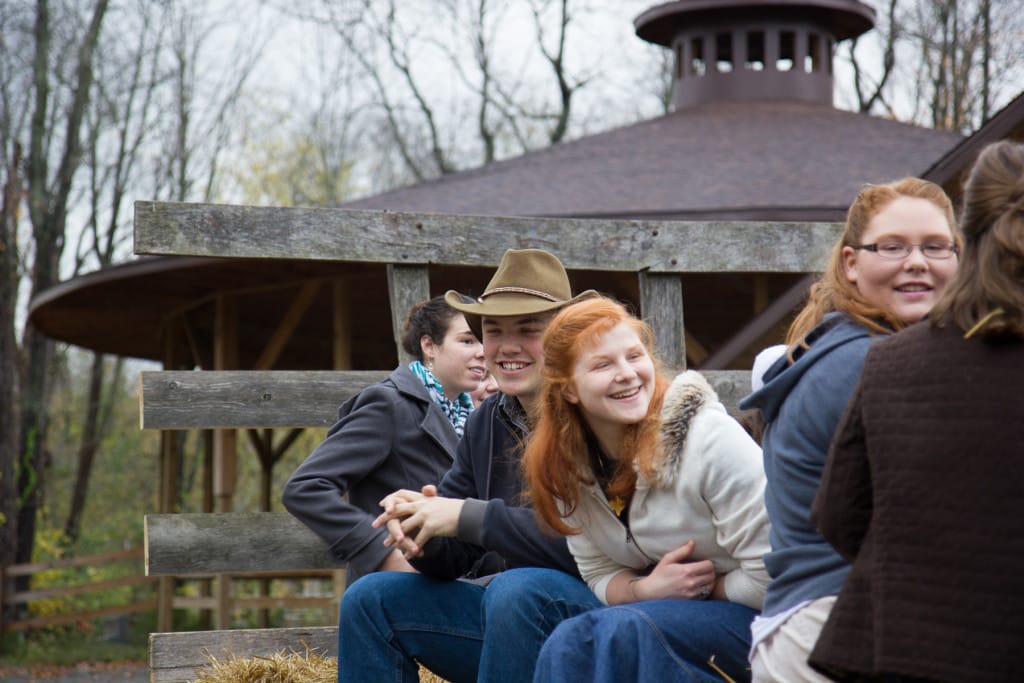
516	582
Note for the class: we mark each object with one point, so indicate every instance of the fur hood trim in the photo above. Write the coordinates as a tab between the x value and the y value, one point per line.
687	395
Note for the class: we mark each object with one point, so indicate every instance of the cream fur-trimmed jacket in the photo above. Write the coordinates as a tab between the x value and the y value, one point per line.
710	488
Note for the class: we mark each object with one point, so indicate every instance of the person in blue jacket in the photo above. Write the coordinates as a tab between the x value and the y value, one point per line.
897	253
493	582
397	433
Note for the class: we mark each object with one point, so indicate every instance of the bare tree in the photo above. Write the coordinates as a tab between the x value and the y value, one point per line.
458	83
119	121
210	62
89	143
15	87
10	368
869	89
48	200
139	79
945	63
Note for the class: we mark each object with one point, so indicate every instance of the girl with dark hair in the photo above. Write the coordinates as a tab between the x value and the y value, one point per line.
897	254
399	433
919	492
661	494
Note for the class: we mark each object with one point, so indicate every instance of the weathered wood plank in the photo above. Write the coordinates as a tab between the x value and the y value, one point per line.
176	657
241	399
247	398
661	306
730	385
405	238
206	542
407	286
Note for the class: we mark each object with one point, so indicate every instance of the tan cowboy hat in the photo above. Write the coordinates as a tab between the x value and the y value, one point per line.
527	281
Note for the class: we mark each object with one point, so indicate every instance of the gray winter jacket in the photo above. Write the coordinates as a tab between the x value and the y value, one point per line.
390	436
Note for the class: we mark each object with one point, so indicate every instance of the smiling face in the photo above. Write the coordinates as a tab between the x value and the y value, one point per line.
458	361
515	357
907	287
613	384
488	386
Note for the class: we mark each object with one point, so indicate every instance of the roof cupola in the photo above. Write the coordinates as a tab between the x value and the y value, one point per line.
753	49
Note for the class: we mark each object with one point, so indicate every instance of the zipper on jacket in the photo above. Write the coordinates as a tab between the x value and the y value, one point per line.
631	539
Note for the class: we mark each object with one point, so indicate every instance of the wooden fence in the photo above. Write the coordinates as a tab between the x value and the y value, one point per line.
145	598
13	598
657	252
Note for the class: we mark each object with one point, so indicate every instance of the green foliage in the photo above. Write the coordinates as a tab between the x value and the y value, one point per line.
125	472
68	648
276	167
121	490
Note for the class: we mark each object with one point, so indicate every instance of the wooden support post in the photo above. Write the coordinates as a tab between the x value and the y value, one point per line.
407	286
222	597
206	453
342	327
304	298
225	443
225	357
169	462
760	283
661	306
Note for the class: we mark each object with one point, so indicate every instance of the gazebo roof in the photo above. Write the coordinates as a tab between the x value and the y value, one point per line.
722	161
766	160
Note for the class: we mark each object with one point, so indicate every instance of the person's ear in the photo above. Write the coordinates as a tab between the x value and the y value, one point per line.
429	349
569	393
850	264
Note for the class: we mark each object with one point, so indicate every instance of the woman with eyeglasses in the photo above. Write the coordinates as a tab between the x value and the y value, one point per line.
897	254
922	489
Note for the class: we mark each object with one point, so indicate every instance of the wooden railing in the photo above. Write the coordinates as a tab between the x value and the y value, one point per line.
145	599
657	252
13	598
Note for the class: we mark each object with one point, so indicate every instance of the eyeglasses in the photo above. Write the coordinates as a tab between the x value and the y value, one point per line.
894	249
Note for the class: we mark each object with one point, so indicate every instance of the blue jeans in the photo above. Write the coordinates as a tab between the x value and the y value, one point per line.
461	631
657	640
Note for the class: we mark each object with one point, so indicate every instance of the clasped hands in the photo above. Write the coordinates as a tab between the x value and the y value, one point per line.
675	576
414	517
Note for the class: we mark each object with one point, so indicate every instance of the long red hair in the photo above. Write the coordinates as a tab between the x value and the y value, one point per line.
556	461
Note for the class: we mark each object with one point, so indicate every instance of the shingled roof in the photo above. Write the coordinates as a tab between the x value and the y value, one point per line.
732	160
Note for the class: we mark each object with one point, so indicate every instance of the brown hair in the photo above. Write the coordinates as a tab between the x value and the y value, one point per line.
833	291
988	290
432	317
556	461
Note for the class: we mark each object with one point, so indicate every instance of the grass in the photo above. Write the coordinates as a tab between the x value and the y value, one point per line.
68	649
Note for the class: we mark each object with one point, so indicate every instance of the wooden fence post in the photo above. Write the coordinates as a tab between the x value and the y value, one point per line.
407	286
661	306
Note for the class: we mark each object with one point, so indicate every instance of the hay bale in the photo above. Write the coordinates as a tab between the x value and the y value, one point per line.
292	667
427	676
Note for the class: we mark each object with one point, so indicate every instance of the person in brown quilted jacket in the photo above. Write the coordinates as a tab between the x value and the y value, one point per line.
922	489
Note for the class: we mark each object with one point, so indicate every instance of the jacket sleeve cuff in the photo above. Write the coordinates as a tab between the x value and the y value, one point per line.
365	559
471	521
742	589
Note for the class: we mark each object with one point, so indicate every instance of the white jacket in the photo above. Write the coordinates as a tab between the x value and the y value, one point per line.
710	488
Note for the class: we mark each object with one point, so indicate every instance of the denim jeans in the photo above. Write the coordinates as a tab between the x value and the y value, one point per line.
657	640
461	631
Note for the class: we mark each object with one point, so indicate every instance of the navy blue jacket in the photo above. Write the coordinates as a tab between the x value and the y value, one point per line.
497	530
802	404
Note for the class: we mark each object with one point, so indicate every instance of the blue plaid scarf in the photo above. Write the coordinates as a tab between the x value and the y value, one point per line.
456	411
